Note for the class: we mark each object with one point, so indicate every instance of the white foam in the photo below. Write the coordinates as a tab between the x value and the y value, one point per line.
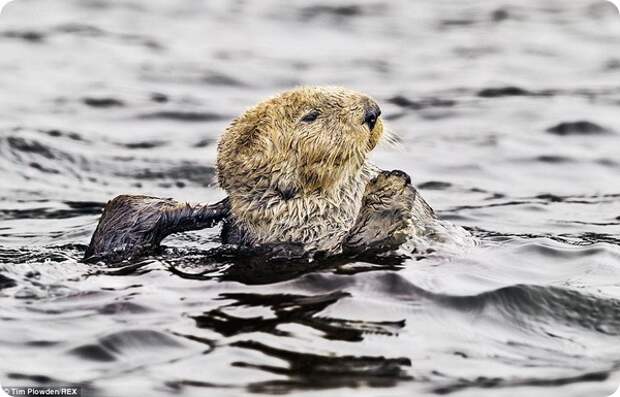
616	3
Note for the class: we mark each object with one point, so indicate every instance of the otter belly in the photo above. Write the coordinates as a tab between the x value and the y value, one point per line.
316	222
320	232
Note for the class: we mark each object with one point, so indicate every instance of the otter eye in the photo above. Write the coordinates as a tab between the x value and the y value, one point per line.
311	116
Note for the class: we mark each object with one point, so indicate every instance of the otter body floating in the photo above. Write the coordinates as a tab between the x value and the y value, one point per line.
296	172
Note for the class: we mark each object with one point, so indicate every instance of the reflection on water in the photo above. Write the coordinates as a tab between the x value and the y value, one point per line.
504	114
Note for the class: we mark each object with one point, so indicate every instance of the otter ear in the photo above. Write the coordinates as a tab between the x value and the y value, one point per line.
241	153
247	136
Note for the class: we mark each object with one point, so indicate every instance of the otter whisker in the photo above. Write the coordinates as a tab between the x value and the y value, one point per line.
390	138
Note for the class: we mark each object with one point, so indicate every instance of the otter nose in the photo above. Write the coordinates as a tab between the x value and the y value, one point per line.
372	114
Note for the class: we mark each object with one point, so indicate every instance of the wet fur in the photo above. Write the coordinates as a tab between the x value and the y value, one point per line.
291	181
304	186
133	226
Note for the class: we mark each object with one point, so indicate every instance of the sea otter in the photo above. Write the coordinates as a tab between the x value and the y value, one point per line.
297	174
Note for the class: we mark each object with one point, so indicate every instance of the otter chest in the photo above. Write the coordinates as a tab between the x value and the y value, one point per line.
319	221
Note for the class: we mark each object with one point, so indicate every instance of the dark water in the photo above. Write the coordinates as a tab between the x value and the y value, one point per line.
507	118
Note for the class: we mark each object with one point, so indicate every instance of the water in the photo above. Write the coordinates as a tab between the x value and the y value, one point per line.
507	118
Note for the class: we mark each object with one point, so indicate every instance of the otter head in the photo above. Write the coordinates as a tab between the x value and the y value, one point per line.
307	140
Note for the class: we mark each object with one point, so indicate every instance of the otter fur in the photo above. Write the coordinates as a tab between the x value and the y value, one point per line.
296	171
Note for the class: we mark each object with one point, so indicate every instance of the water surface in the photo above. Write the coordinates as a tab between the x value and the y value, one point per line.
507	119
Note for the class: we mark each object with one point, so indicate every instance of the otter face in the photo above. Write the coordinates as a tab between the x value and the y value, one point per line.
304	140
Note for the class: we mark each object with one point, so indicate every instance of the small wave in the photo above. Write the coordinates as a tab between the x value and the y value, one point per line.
19	145
29	255
221	79
130	344
182	116
544	198
540	304
29	157
526	305
90	31
578	128
495	383
554	159
143	144
102	102
342	11
305	369
435	185
498	92
56	133
199	174
572	239
6	282
30	36
37	379
75	208
423	103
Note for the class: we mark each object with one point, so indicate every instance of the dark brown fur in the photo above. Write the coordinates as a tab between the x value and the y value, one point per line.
133	226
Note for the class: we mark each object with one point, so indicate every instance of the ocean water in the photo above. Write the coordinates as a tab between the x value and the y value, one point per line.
507	118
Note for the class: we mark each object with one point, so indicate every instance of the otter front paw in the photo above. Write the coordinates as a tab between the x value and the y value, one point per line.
385	217
387	189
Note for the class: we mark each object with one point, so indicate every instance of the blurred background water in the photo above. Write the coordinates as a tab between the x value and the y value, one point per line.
506	114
